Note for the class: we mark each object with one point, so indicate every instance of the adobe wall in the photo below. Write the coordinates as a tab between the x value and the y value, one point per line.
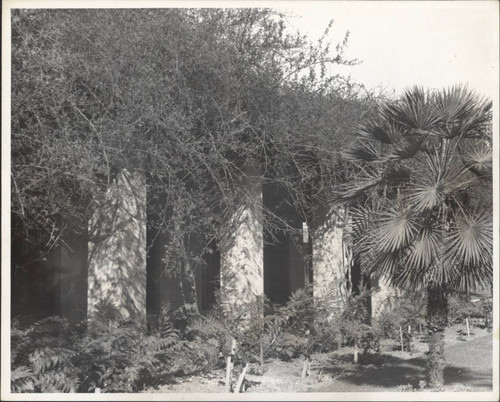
382	292
331	259
242	252
117	249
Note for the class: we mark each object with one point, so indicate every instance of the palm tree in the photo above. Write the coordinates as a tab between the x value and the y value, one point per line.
421	200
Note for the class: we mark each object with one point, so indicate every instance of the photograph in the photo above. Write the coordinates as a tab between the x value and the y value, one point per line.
250	200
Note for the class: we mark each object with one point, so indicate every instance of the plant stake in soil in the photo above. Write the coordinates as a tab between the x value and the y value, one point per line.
229	365
305	367
241	378
401	338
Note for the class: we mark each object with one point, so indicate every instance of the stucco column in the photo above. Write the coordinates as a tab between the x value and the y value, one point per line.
117	249
331	259
382	293
242	251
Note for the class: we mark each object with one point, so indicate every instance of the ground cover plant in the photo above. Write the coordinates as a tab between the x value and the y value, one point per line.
110	354
115	355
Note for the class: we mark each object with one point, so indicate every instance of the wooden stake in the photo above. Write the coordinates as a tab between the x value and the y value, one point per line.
304	368
401	338
409	339
261	353
233	347
355	351
420	328
468	328
229	369
240	379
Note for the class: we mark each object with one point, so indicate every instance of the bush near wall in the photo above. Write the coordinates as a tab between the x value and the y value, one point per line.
478	309
110	354
403	311
117	355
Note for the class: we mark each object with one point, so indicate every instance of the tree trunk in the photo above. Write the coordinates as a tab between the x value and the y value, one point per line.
437	319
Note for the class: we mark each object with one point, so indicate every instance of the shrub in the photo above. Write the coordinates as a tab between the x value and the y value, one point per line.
462	306
406	310
42	357
112	354
283	332
369	341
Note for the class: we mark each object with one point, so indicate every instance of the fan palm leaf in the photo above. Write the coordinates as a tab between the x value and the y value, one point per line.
413	111
407	148
480	162
463	112
426	248
362	152
358	187
472	278
382	265
470	240
454	103
385	132
395	230
360	219
436	177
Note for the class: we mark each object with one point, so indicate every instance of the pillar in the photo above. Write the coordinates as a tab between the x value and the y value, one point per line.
331	259
382	293
117	249
242	251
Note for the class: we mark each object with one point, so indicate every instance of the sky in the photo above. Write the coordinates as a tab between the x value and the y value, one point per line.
435	44
401	43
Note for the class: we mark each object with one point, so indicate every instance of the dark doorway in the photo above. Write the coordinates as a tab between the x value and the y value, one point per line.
285	254
360	282
210	278
47	281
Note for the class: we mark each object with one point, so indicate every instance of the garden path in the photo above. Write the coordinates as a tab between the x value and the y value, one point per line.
467	369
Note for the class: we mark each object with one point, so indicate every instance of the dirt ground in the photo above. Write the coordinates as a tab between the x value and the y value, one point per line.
469	368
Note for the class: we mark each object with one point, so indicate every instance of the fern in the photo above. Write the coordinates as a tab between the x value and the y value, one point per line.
22	380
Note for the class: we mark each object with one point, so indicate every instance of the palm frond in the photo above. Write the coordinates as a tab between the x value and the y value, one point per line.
362	152
359	187
454	103
409	279
22	379
462	112
425	249
480	162
361	217
436	177
395	230
406	148
386	133
413	111
470	241
385	265
431	184
472	278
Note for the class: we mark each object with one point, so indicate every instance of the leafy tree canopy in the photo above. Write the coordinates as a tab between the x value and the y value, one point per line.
188	97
